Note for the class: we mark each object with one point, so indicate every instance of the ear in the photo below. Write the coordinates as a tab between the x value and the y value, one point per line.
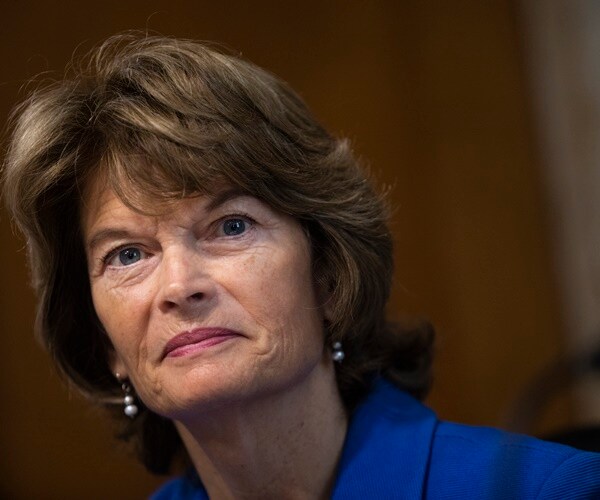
327	309
117	365
324	300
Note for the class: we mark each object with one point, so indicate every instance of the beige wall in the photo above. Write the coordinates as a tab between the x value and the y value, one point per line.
432	93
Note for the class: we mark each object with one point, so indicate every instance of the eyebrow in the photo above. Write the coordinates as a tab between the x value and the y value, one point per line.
214	203
107	234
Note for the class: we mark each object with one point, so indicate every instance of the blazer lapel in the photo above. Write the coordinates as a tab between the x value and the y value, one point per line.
387	448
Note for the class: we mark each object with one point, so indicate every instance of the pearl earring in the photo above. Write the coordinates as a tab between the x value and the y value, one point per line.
131	408
337	354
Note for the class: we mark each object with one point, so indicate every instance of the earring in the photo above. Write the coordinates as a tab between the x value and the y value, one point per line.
131	408
337	354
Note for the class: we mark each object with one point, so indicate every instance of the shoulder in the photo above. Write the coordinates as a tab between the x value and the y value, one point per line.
186	487
500	465
397	448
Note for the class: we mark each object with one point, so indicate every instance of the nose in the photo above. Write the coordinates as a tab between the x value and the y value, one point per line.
185	285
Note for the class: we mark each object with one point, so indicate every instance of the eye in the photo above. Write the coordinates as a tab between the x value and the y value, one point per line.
125	257
234	227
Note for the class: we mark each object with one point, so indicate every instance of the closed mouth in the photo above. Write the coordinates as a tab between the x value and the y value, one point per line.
199	338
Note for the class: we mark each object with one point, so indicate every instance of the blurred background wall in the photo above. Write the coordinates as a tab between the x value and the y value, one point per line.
561	47
438	96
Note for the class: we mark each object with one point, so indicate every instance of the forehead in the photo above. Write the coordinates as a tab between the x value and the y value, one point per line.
101	204
149	186
109	187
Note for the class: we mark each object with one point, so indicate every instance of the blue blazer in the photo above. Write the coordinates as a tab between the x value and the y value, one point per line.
396	448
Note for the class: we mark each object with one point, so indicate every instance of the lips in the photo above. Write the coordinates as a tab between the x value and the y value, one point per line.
197	339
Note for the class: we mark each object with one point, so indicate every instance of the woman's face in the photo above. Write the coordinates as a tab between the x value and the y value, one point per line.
209	303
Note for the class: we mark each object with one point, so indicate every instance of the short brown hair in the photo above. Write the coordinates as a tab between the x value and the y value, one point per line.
162	119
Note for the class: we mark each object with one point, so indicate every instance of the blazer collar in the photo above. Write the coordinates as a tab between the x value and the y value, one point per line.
390	436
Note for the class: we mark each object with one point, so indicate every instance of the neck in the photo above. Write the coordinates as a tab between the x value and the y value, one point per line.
286	445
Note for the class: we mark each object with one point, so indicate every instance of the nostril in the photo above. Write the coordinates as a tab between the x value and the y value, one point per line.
168	304
196	296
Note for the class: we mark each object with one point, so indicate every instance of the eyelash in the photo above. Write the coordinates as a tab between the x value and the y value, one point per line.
240	215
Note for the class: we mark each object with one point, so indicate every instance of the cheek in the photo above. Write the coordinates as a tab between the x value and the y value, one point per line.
280	295
119	313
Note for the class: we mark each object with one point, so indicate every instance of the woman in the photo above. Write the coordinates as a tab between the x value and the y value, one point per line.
205	252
